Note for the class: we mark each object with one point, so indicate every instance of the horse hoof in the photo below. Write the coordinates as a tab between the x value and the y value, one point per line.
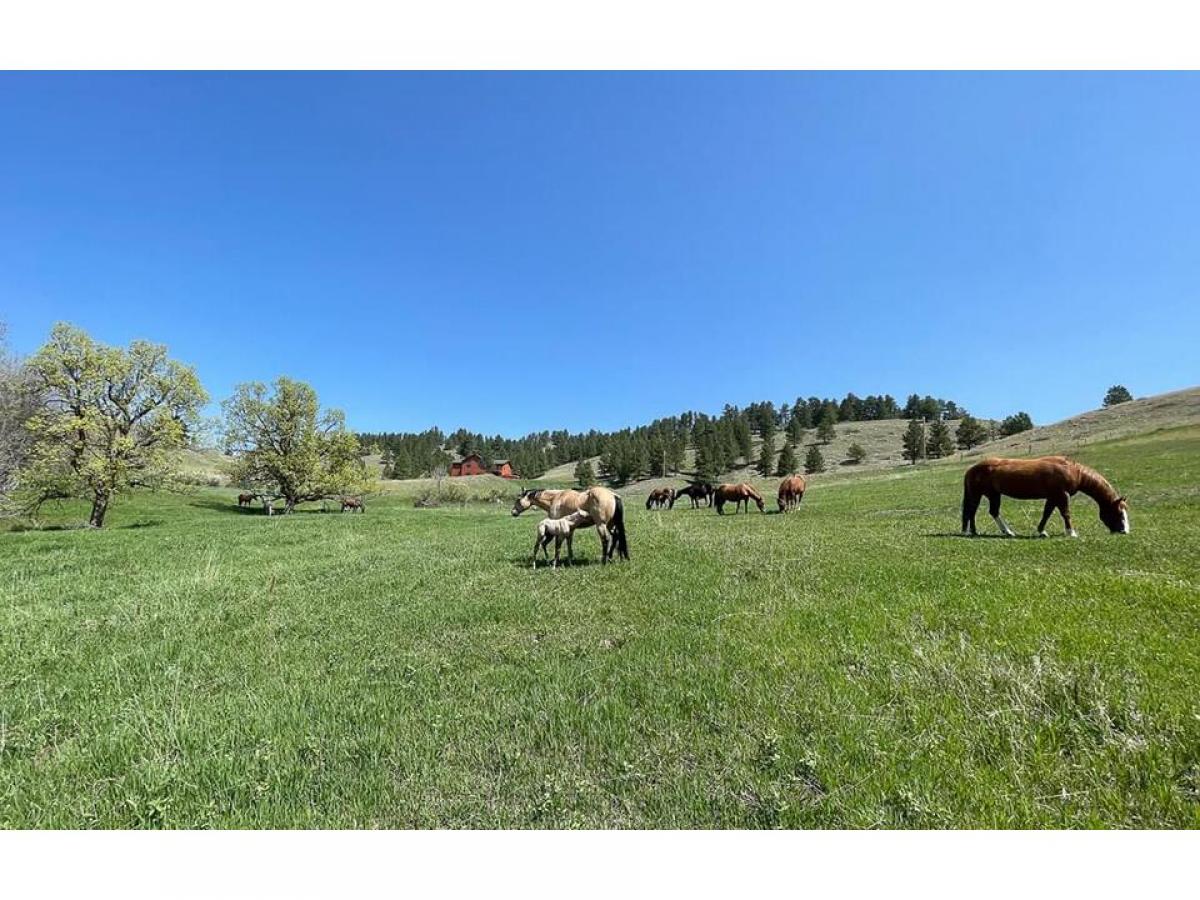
1043	534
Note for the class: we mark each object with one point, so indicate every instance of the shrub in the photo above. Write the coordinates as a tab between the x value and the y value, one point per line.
856	454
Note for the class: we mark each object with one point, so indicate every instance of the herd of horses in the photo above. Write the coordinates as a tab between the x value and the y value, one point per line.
1054	479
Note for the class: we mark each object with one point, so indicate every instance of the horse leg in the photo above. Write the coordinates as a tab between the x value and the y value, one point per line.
1064	507
1051	503
969	506
558	539
602	530
570	551
994	509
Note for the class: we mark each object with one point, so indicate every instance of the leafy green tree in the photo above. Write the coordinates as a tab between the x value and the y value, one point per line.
287	448
1118	393
108	419
938	443
825	430
766	455
857	453
1015	424
813	460
970	433
787	459
914	441
585	477
18	403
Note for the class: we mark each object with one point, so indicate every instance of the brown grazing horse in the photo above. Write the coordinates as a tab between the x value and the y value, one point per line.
245	499
696	491
660	497
1054	479
737	494
605	509
350	503
791	492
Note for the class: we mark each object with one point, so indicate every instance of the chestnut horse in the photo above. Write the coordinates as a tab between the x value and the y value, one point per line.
660	497
696	491
604	508
245	499
737	494
791	492
1054	479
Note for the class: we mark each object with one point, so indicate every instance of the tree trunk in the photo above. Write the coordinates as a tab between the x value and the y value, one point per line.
99	508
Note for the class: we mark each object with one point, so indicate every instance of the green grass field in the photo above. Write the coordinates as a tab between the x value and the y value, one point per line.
856	664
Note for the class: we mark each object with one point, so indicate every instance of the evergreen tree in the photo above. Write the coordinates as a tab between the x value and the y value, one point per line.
1015	424
939	443
745	442
1118	393
813	460
914	441
971	432
585	476
856	453
787	459
826	431
766	456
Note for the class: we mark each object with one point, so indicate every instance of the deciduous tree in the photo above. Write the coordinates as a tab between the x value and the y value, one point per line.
108	419
1118	393
287	448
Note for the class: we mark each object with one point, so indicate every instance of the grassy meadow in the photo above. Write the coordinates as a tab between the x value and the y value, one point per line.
855	664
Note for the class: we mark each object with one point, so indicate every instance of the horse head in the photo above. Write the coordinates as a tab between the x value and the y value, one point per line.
524	502
1116	516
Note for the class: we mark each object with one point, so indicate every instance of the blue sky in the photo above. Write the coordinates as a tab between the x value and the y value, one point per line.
512	252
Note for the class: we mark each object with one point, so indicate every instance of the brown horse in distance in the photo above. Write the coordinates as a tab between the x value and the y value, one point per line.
352	504
605	509
737	494
1054	479
245	499
660	497
791	492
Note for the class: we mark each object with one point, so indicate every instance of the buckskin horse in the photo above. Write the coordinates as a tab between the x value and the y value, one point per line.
737	494
695	491
1054	479
660	497
605	509
791	492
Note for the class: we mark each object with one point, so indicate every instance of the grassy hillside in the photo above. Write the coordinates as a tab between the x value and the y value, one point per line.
855	664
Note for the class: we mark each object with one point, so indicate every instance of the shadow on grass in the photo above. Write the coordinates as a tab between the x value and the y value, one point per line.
256	510
148	523
958	535
522	562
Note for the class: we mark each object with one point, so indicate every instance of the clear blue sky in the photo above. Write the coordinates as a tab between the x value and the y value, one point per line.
512	252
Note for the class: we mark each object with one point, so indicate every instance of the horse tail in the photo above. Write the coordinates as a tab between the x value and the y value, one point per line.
618	528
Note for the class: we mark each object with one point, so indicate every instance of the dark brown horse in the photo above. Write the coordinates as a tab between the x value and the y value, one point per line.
738	495
660	497
696	491
791	492
352	504
1054	479
245	499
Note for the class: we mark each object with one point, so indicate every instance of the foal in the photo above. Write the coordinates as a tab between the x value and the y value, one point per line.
560	530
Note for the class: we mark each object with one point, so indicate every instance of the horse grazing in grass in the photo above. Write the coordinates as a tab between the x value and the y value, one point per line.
696	491
791	492
660	497
738	495
1054	479
245	499
558	530
352	504
605	509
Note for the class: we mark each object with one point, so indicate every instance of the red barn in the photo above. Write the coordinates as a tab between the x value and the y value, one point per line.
472	464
